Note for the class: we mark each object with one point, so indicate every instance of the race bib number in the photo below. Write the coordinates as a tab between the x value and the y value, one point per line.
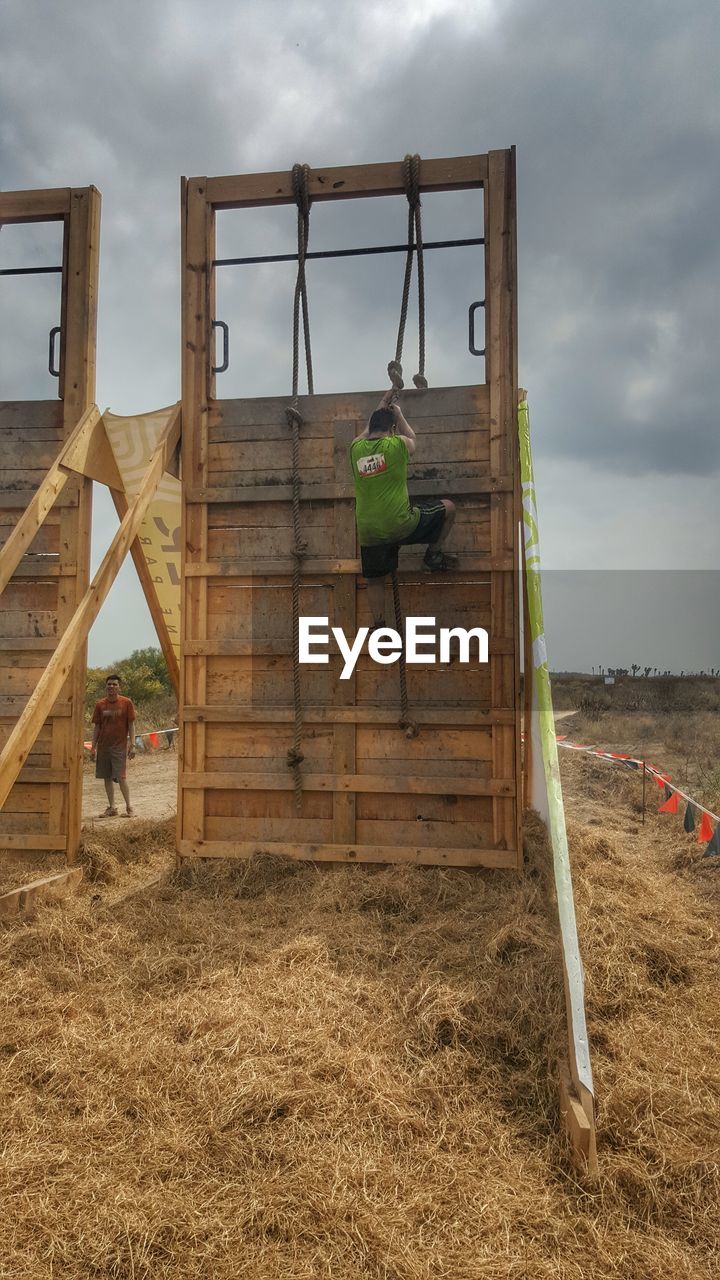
372	465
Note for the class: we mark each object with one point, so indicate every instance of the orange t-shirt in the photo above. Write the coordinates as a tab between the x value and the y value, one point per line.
114	719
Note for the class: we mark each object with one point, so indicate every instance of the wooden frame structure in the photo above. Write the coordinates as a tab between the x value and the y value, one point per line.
453	796
369	794
43	810
50	452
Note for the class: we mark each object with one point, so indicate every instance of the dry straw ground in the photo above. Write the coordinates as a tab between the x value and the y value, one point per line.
270	1070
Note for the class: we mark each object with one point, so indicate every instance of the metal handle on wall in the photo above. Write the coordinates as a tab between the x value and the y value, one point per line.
55	373
474	351
220	324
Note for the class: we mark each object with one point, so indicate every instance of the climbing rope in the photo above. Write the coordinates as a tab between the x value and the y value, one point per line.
300	176
411	181
410	727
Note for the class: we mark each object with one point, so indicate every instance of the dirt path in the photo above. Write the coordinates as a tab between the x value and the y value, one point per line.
153	788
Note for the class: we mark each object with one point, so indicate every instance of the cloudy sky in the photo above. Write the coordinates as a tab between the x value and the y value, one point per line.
615	112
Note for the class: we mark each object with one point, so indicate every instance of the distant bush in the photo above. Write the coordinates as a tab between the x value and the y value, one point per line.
144	676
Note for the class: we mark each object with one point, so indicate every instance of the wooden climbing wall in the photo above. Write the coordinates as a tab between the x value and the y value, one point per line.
43	810
450	795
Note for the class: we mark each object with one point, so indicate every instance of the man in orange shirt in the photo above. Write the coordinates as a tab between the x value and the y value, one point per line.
112	743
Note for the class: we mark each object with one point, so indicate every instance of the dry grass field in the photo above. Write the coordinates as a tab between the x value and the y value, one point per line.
273	1070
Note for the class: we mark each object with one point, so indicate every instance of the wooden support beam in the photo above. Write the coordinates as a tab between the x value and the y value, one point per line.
257	567
146	581
20	742
44	497
578	1120
350	853
81	262
455	715
198	250
347	783
335	492
25	900
347	182
284	648
51	205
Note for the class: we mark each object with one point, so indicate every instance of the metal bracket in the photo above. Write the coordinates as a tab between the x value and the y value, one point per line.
474	351
220	324
55	373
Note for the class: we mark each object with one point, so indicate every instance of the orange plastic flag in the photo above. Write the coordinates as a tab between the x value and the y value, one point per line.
705	830
154	740
671	805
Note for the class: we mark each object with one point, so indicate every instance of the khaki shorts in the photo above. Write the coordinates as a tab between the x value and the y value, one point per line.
111	763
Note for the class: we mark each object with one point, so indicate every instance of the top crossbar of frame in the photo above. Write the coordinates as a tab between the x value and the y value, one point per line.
35	206
350	182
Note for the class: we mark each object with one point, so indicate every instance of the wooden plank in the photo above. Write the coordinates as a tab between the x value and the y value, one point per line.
13	705
462	444
345	616
19	500
263	747
25	900
345	783
452	714
24	823
317	516
28	623
268	806
27	798
282	565
81	256
381	743
501	373
254	190
198	251
40	503
320	412
44	567
41	418
452	487
49	205
283	648
31	596
326	852
18	454
33	775
46	542
36	841
30	643
60	665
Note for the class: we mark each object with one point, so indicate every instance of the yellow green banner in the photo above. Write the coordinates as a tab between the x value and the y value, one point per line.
546	792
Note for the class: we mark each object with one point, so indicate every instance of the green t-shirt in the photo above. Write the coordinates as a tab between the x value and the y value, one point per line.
382	506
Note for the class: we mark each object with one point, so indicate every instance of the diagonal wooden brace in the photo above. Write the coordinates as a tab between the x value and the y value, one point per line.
87	452
49	686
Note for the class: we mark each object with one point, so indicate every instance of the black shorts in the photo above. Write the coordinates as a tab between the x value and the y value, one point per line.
381	559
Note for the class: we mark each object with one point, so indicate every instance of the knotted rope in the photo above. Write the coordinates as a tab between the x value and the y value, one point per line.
300	176
411	181
411	729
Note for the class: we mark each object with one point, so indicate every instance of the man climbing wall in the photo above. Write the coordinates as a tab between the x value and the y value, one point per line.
386	518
